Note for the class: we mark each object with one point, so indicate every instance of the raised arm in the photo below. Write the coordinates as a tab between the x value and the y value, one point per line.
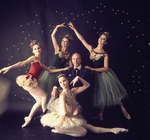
103	69
55	44
19	64
82	88
80	37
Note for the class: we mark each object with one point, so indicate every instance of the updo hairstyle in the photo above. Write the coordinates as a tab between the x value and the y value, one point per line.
69	37
62	75
107	34
34	42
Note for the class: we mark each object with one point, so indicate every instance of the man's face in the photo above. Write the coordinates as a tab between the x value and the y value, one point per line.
76	60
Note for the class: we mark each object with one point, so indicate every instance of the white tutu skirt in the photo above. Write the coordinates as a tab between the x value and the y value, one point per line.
27	81
55	120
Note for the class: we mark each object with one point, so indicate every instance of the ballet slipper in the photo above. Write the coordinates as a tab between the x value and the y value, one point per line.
119	130
55	131
27	121
126	114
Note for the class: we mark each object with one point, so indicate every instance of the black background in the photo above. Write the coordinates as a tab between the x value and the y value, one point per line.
128	49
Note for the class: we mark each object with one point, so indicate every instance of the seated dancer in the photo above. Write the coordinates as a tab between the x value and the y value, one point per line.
107	88
64	116
81	71
29	82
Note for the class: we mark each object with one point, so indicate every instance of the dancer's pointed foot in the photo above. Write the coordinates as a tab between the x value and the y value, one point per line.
27	121
55	131
119	130
126	114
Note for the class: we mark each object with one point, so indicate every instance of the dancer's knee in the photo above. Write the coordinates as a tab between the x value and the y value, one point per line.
38	102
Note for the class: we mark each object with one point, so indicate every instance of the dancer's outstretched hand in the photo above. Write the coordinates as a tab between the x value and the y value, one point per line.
67	68
61	25
74	80
87	67
5	70
71	25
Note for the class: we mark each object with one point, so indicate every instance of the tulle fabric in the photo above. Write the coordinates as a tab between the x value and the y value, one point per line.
108	90
53	106
47	80
27	81
56	120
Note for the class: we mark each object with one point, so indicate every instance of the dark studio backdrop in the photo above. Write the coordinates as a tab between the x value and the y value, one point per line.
127	20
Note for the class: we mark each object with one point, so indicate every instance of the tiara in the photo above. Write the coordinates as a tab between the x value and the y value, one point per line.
107	34
69	37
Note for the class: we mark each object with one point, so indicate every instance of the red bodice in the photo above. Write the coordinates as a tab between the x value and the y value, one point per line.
35	70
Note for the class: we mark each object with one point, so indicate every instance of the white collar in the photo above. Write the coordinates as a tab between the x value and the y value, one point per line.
79	67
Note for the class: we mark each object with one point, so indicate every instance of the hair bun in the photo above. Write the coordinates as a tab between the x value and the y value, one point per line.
62	75
34	42
69	37
107	34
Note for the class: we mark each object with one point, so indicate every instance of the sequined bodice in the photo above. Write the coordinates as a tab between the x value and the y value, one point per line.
61	60
70	99
35	70
96	59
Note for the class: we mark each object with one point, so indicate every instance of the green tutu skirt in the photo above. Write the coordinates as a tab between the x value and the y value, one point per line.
108	90
48	80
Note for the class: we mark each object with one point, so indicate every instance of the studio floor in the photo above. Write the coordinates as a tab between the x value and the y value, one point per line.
11	121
